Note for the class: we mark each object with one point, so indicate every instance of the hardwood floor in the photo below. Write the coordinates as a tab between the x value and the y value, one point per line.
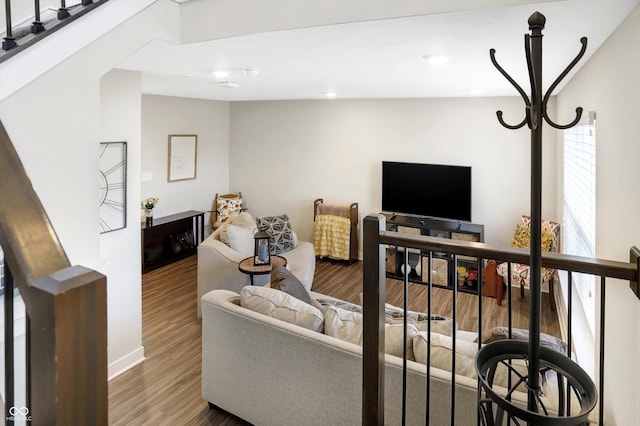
345	282
165	388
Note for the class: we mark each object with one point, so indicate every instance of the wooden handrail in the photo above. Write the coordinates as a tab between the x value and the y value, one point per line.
67	306
609	268
31	246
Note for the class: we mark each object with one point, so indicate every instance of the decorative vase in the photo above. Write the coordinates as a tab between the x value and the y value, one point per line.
148	216
402	269
461	281
418	268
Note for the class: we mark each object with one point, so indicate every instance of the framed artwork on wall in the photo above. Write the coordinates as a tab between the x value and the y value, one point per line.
183	152
113	186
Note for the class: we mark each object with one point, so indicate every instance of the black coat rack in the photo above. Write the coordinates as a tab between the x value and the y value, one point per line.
493	355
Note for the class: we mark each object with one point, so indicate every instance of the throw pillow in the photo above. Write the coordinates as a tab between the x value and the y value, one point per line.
522	238
229	205
282	279
281	234
502	333
282	306
324	304
347	325
244	220
394	337
343	325
439	324
394	315
441	350
240	239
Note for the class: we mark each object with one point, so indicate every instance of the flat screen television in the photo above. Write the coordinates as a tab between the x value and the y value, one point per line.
434	190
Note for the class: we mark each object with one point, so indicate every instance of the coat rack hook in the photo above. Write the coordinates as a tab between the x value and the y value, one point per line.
492	54
562	75
509	126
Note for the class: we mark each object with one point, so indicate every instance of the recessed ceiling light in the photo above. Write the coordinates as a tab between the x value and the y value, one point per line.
227	84
475	92
436	59
330	94
220	74
251	72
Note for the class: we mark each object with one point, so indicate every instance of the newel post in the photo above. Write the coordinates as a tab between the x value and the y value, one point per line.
69	348
373	287
634	255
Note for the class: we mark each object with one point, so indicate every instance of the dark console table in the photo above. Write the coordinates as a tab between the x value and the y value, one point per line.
156	239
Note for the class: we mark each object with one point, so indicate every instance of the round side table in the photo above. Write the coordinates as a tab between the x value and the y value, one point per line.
248	267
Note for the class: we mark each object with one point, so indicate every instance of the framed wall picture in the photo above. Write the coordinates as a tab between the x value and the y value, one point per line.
183	150
113	186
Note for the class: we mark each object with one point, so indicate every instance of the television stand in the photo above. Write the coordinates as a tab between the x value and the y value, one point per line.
444	272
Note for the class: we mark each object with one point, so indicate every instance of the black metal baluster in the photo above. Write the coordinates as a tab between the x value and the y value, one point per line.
480	279
510	331
601	384
430	275
37	26
509	312
27	356
569	333
404	337
9	42
9	361
63	12
453	342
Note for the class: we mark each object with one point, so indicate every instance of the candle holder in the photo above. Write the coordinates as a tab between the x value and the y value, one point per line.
262	248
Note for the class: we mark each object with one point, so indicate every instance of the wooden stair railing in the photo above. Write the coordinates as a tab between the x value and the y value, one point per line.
66	306
375	237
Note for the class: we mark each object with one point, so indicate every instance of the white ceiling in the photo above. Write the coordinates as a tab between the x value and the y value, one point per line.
381	59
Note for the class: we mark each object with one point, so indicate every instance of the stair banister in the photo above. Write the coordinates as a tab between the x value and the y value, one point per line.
66	306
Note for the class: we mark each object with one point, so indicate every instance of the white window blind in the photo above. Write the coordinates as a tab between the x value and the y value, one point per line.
579	213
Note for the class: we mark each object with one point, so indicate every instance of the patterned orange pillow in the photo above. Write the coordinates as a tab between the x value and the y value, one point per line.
228	206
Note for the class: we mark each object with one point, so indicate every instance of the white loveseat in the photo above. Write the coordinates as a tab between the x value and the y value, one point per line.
271	372
218	263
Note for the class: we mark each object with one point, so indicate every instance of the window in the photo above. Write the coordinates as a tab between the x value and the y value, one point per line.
579	211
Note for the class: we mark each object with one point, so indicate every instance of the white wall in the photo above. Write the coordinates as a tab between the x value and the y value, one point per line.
120	120
334	150
56	125
209	120
608	84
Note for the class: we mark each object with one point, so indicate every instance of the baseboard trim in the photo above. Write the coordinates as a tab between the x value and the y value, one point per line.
126	363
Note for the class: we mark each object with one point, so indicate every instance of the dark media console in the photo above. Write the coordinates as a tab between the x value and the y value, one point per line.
444	272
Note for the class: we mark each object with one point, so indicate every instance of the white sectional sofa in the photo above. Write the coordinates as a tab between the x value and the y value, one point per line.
218	263
271	372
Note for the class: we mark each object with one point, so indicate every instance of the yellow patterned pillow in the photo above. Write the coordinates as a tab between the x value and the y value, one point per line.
522	238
